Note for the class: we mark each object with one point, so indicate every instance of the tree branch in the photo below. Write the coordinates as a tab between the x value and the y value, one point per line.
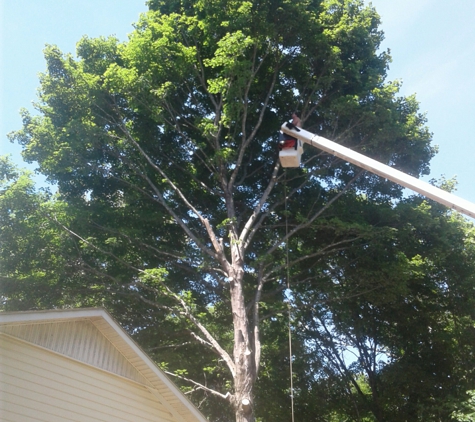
314	217
219	253
247	234
228	396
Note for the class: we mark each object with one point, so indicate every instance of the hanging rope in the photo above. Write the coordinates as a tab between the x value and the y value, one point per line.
288	293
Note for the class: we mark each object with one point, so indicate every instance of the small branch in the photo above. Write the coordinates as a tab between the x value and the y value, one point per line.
200	340
314	217
228	396
324	251
170	346
206	333
184	306
247	141
218	254
247	234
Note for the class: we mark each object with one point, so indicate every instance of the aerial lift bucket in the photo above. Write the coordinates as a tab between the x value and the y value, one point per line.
290	157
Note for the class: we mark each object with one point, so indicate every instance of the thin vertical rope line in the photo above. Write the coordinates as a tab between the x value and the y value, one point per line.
288	303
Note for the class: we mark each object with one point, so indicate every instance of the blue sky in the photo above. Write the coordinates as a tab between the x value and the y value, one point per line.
432	45
27	26
433	49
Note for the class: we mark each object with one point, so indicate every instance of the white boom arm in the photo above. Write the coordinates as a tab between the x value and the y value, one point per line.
382	170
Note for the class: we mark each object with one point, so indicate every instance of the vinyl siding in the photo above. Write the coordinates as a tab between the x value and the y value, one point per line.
80	340
40	385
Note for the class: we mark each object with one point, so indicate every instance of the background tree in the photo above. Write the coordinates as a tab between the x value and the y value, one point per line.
163	149
391	330
35	266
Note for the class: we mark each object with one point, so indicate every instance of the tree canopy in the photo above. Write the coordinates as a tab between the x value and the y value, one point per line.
173	212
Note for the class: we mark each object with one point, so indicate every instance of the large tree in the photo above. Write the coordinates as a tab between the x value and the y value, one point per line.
163	148
383	330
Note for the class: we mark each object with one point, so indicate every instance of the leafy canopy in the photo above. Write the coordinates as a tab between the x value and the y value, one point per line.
175	214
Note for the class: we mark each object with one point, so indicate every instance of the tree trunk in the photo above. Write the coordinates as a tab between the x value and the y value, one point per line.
244	355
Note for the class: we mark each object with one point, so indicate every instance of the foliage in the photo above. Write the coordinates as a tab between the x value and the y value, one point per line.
33	268
393	326
465	411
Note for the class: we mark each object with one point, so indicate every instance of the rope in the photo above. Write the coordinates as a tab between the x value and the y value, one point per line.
288	303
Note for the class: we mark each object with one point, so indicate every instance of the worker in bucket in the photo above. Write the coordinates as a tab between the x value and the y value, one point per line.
287	141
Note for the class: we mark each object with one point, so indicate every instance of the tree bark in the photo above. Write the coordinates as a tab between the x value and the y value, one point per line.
244	353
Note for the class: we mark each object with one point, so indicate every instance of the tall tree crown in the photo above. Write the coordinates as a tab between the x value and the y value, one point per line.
164	148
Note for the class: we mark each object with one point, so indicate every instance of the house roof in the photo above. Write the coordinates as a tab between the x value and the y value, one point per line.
35	326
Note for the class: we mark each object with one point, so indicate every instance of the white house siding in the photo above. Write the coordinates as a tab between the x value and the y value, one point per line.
40	385
80	340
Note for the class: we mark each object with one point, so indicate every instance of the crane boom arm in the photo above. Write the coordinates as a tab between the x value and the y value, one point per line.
383	170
